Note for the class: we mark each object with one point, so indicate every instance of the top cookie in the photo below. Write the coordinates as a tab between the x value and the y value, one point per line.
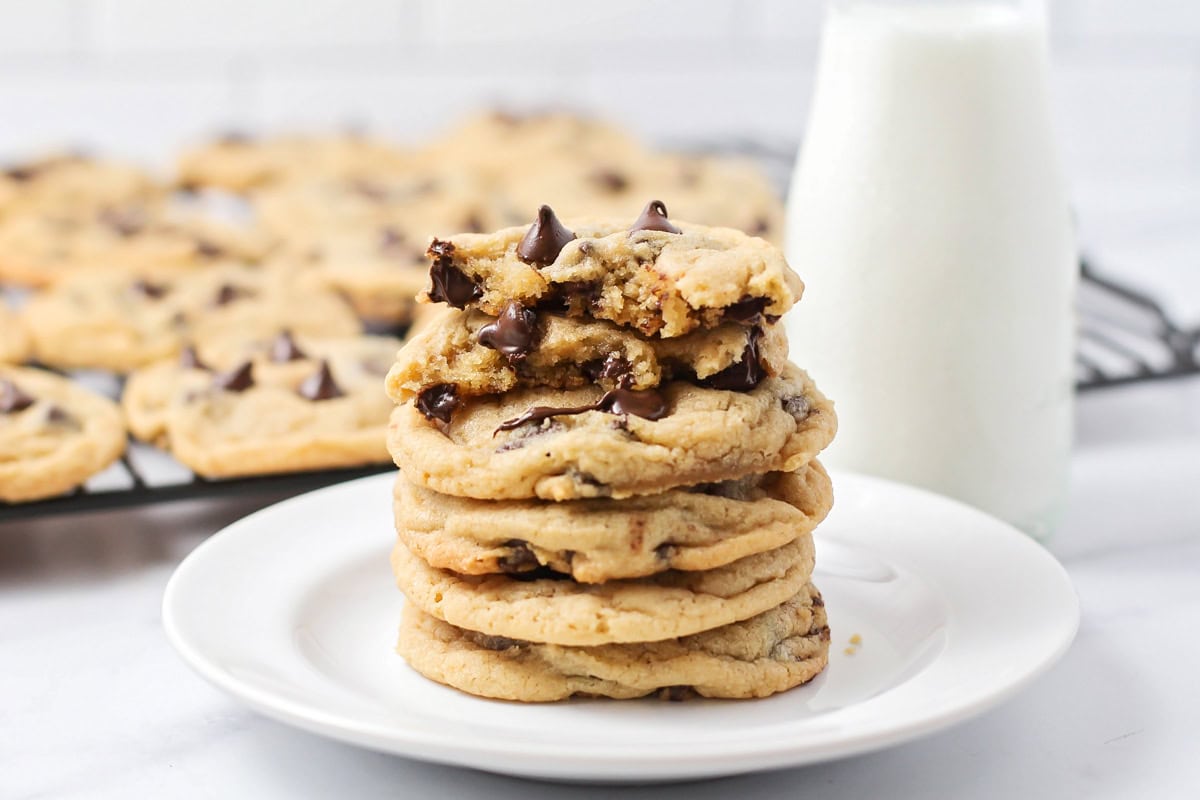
651	274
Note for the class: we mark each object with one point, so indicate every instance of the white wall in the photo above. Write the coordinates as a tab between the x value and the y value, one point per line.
139	76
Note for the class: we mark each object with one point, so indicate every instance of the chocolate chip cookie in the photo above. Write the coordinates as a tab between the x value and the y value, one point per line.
558	610
120	322
649	273
54	434
779	649
593	541
580	443
73	184
479	354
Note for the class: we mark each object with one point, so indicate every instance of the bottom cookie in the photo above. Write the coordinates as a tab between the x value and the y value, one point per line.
776	650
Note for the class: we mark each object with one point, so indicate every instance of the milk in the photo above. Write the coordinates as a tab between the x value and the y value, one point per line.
930	222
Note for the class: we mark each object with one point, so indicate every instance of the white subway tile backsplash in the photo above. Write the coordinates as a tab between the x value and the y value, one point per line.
538	21
123	25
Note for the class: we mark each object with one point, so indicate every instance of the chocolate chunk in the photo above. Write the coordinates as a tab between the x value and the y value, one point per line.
12	399
209	249
613	368
745	374
227	293
145	288
797	406
569	297
540	573
320	385
747	311
609	180
449	283
654	218
544	240
285	349
648	404
494	642
190	359
520	558
439	401
124	222
238	379
59	417
512	333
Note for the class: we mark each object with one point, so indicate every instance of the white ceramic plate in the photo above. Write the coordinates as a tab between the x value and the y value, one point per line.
294	611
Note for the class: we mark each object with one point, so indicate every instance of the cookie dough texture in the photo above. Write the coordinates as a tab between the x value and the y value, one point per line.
120	322
781	648
662	606
594	541
14	340
707	435
567	352
66	435
659	283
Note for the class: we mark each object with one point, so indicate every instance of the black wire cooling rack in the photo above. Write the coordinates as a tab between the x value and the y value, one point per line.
1125	337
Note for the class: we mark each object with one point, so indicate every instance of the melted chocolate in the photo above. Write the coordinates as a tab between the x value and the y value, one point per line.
152	291
612	368
544	240
439	401
520	558
512	333
647	404
449	283
747	311
654	218
745	374
190	359
284	349
12	399
238	379
320	385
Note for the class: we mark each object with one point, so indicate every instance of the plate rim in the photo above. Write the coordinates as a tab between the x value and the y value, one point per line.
721	756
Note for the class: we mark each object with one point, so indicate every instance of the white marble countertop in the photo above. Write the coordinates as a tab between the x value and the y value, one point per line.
93	702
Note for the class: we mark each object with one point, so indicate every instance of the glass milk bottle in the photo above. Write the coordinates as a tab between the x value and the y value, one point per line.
929	219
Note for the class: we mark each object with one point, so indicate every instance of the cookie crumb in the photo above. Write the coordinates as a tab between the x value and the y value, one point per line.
850	651
856	640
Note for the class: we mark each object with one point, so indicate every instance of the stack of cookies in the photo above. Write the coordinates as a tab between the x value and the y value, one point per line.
608	480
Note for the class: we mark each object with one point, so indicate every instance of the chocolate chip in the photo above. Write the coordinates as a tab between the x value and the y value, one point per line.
747	311
648	404
439	401
654	218
23	174
227	293
512	333
818	601
238	379
664	552
494	642
544	240
745	374
320	385
540	573
473	223
797	406
609	180
613	367
60	418
124	222
209	249
761	225
285	349
145	288
520	558
12	399
190	359
449	283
